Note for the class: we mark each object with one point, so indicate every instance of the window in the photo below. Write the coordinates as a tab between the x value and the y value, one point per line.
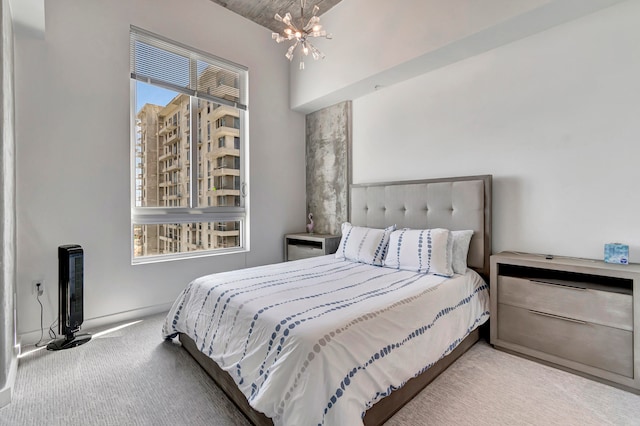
174	89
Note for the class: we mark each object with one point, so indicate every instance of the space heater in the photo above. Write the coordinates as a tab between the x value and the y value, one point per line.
70	298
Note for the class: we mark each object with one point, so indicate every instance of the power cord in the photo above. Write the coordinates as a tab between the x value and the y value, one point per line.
41	318
52	334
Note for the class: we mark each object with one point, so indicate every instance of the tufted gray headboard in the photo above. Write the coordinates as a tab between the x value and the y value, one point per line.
456	203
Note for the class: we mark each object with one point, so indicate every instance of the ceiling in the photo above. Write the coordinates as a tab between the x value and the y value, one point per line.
28	15
263	11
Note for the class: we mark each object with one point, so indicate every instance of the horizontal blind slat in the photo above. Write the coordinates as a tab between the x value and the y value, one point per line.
168	64
184	90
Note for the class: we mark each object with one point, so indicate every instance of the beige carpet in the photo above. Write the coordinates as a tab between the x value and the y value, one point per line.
132	377
489	387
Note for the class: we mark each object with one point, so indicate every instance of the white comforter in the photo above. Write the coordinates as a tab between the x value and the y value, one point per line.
320	340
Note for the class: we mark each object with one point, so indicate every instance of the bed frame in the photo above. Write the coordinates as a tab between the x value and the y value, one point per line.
454	203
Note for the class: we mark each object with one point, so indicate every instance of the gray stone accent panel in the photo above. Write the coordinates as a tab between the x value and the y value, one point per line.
328	145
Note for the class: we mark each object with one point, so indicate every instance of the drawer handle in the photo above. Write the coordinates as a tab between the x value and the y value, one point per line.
570	287
544	314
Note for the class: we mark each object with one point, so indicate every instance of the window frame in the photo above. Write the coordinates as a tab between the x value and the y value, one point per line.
168	215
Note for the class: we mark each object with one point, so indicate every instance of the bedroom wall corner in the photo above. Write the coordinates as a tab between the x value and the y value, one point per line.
328	146
8	355
73	128
553	117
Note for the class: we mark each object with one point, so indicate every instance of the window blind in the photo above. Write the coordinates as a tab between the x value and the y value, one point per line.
168	64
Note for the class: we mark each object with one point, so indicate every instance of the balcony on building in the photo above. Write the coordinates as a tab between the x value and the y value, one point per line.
165	129
174	166
225	130
167	155
225	234
176	136
225	171
224	152
224	192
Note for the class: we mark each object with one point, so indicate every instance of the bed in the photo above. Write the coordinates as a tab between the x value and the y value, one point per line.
341	339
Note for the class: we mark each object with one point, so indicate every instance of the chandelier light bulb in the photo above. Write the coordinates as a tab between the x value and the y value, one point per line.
301	36
278	38
289	54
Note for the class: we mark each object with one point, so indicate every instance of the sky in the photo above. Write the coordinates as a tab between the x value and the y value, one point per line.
148	94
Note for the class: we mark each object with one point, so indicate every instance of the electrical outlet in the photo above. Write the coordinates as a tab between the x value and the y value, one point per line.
38	287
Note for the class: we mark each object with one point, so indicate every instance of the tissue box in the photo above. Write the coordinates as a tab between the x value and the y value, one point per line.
616	253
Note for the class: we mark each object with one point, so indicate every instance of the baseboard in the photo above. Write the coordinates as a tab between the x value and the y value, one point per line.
7	391
89	324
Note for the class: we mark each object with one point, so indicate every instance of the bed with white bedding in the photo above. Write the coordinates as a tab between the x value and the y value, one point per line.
323	340
320	340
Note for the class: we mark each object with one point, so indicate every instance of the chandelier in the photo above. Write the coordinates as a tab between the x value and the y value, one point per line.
301	33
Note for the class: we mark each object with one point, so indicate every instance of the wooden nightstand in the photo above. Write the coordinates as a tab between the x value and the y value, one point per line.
302	246
580	315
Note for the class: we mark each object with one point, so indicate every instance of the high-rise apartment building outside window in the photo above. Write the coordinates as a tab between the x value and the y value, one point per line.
175	89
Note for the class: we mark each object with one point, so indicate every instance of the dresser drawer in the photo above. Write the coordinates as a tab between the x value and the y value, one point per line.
599	346
594	306
296	252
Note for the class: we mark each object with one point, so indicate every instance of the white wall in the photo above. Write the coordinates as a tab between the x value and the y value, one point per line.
73	127
8	355
553	117
542	95
379	42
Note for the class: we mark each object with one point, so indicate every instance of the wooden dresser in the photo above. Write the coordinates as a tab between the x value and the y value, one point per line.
575	314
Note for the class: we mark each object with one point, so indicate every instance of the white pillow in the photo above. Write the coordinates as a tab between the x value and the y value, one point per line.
427	251
461	240
364	245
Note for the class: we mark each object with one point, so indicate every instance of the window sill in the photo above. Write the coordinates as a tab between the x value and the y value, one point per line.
186	256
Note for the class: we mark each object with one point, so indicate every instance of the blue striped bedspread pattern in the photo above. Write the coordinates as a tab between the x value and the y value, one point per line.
318	341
